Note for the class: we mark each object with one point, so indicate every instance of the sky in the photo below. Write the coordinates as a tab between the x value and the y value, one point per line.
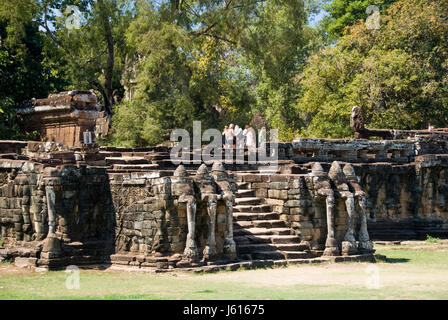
314	20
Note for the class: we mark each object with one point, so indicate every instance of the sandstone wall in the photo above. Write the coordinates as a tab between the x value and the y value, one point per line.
149	217
82	203
407	201
292	197
97	213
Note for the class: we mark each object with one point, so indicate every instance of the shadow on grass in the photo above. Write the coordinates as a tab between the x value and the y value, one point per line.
206	291
397	260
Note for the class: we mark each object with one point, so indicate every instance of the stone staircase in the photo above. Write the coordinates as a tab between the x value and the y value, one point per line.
259	233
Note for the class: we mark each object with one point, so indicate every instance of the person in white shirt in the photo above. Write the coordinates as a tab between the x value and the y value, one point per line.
239	137
262	138
224	135
245	135
430	127
229	136
250	139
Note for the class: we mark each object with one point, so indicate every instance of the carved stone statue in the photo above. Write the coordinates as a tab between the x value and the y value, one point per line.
357	124
208	195
183	188
364	244
52	244
337	176
51	179
226	193
357	121
322	187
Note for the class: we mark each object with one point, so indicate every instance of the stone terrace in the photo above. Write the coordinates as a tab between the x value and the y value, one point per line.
275	214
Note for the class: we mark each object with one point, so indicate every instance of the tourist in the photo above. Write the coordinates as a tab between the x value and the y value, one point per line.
224	135
250	138
245	134
430	127
262	138
239	137
229	136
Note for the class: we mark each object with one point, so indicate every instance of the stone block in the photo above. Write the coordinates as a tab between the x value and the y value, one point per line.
294	191
252	178
39	227
299	210
292	203
280	178
279	185
25	262
138	225
278	194
258	185
266	177
261	193
274	202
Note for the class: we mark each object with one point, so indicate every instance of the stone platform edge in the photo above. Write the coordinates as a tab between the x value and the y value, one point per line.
258	264
214	267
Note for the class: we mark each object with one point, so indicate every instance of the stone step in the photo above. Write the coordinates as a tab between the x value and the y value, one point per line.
126	160
269	169
262	231
268	224
256	247
135	166
252	208
243	186
290	247
267	255
249	216
245	193
270	239
250	239
297	255
248	201
280	239
241	239
242	224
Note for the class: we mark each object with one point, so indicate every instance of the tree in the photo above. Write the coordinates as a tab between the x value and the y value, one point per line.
397	74
345	13
277	45
24	71
84	38
186	70
90	41
214	61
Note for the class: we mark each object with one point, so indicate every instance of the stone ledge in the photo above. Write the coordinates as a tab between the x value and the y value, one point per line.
233	266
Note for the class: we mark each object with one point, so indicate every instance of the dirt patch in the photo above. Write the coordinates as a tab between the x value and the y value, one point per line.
10	268
358	274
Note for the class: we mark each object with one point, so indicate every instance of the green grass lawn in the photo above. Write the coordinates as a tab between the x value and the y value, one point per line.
407	274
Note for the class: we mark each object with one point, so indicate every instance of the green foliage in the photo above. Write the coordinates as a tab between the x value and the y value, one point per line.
431	239
24	73
345	13
397	75
276	47
91	56
215	61
223	61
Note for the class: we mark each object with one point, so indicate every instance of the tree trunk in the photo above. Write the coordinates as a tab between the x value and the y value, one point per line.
108	71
